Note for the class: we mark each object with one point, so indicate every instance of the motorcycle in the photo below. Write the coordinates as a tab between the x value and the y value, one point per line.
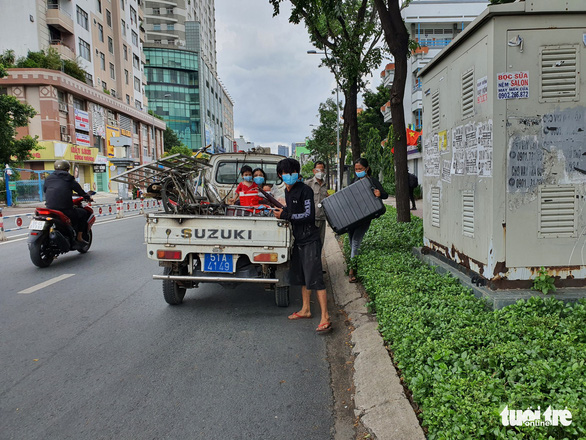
52	234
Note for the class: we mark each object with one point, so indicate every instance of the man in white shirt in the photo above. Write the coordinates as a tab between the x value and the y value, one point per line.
320	191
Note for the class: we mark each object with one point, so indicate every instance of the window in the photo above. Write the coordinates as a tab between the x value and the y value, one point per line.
103	61
157	27
136	61
229	172
104	85
134	38
136	84
78	104
110	45
133	20
84	50
82	19
138	104
169	11
170	27
108	18
113	93
101	32
112	73
99	6
156	11
122	4
123	23
128	99
89	79
126	76
135	127
157	41
125	50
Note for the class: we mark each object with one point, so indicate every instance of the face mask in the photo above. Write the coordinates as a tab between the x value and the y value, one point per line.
259	179
247	178
360	174
319	175
290	179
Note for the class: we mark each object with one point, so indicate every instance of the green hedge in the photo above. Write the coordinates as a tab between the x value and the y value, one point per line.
462	361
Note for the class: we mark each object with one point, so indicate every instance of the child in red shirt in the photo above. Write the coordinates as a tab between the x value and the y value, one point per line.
247	186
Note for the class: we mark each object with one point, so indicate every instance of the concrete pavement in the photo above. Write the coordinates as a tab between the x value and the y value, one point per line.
379	398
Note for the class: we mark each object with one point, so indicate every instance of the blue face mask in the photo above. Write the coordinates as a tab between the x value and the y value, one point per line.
259	179
247	178
290	179
360	174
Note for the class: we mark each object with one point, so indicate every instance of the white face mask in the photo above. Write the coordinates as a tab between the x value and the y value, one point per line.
319	175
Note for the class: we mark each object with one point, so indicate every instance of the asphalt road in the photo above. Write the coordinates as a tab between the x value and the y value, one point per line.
100	355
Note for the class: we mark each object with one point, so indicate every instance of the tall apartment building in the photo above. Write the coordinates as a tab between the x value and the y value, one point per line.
433	24
184	87
283	150
76	120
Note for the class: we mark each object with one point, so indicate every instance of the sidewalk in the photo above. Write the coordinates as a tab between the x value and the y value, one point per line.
392	201
379	398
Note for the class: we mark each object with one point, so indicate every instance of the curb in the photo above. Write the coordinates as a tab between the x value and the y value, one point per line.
379	398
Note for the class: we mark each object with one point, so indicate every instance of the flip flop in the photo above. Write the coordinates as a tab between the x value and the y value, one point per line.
326	327
295	316
352	280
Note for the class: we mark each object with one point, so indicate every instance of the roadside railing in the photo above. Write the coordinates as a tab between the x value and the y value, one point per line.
17	222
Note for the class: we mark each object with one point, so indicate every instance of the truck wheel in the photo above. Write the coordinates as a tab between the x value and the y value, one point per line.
172	291
282	296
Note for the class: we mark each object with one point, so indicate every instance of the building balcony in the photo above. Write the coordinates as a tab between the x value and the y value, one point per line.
388	75
434	43
386	111
59	19
62	49
416	99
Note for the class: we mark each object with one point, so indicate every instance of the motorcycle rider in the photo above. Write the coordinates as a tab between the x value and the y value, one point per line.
59	188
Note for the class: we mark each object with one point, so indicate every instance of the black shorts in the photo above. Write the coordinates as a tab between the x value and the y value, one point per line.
306	269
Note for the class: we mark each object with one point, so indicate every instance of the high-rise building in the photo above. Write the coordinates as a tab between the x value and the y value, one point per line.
184	88
283	150
100	125
433	24
243	145
105	36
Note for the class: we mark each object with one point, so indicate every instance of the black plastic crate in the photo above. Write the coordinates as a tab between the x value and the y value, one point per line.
352	205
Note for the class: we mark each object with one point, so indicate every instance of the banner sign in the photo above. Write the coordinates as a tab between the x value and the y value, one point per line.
82	120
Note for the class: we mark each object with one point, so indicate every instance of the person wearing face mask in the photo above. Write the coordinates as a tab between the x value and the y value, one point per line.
320	191
246	187
305	265
362	170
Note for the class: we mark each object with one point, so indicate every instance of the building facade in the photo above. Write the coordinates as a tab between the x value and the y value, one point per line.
433	24
243	145
283	150
188	27
104	36
100	135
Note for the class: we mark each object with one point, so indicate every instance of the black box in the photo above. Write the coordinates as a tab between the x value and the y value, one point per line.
352	205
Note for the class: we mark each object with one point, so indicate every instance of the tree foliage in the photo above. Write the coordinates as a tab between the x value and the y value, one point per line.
178	149
14	114
47	59
171	140
322	144
349	32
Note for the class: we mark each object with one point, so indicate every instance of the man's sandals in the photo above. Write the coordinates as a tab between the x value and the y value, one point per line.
326	327
295	316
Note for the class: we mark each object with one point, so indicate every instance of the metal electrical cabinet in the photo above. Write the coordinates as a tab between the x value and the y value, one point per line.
504	144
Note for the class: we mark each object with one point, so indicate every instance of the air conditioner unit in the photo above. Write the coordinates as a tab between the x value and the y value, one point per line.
63	107
63	130
68	138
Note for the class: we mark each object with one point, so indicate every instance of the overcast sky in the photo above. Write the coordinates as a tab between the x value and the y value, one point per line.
263	63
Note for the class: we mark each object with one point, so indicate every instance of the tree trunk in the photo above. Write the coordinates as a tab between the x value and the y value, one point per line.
397	39
353	120
343	141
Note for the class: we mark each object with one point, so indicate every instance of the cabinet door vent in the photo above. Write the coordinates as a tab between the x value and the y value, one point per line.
435	207
559	74
557	211
435	111
468	94
468	214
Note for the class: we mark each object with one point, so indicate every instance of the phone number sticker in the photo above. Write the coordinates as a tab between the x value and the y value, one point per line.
512	85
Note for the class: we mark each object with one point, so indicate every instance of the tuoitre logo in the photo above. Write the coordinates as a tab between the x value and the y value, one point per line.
225	234
530	417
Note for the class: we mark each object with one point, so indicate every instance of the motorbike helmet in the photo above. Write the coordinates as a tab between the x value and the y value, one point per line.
62	165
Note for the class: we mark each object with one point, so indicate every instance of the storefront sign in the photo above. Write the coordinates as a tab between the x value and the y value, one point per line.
51	151
99	168
110	133
82	120
82	139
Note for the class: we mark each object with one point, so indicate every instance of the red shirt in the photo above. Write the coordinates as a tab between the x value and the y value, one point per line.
248	194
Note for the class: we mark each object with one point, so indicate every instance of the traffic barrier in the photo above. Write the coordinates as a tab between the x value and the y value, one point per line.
22	221
2	234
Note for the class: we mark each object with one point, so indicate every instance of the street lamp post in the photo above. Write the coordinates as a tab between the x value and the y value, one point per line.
338	161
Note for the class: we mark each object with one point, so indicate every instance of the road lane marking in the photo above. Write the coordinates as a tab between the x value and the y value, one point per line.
46	283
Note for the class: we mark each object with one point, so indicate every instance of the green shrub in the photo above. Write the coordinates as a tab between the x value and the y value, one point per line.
462	361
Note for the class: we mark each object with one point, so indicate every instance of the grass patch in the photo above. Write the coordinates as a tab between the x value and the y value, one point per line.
462	361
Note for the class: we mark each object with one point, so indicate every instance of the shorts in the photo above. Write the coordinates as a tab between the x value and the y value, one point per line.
306	268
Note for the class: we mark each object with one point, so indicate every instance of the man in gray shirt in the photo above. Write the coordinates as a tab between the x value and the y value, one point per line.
320	191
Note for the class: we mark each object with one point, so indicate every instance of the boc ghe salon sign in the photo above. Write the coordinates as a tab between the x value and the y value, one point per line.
512	85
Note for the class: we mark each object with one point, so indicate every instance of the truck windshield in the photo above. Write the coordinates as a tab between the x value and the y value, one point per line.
229	172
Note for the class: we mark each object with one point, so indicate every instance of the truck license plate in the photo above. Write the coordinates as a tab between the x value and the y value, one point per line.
36	225
218	263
